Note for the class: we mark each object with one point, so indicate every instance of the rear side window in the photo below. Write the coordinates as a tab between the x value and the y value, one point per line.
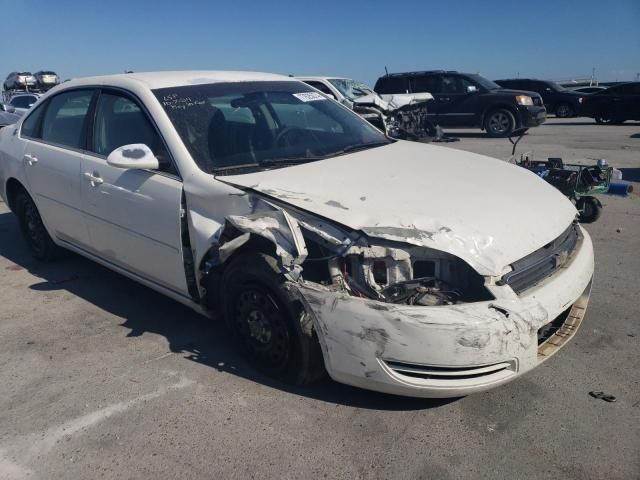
426	83
387	85
65	117
31	124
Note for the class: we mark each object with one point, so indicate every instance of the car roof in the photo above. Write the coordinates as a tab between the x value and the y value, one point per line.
422	72
322	78
154	80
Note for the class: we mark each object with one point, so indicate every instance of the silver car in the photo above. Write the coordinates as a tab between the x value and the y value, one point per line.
19	81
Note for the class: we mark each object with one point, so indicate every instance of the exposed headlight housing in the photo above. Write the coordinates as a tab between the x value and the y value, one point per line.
524	100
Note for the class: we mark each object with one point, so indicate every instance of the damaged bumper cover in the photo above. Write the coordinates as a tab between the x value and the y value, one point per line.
450	350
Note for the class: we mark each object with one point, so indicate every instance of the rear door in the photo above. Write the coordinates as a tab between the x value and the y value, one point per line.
55	136
134	216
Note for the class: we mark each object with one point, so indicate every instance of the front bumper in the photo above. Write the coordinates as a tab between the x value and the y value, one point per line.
450	351
532	115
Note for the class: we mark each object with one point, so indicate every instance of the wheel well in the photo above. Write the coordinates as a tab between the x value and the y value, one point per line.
211	275
493	108
12	189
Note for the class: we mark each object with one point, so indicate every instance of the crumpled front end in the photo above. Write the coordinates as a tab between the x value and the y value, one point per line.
415	321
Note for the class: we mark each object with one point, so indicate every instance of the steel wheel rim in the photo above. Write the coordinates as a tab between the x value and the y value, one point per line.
262	328
563	111
499	123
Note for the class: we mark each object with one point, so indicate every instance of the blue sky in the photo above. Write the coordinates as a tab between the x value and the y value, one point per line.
544	39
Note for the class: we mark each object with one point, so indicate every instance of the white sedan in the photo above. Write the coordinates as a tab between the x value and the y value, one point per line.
394	266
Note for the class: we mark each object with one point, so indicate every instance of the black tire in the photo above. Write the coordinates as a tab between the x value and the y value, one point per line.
564	110
602	119
499	123
34	231
273	333
590	209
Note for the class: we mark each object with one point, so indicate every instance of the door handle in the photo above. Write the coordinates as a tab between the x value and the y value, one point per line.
30	159
94	179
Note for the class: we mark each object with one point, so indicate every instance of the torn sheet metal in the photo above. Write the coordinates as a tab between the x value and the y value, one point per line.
443	351
434	197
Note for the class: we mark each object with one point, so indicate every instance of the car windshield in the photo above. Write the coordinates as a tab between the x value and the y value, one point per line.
484	82
228	127
350	89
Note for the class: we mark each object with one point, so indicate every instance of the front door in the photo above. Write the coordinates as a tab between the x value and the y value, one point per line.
457	102
134	216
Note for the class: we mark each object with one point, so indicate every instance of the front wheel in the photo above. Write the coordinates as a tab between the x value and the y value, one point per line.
34	231
590	209
603	119
274	333
500	123
564	110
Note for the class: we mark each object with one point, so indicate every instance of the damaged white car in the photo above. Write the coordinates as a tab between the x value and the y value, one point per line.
395	266
400	115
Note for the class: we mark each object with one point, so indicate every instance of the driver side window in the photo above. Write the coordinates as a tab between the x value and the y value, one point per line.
120	121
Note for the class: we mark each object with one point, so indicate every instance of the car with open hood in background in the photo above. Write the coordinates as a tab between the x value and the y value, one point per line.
398	115
323	244
469	100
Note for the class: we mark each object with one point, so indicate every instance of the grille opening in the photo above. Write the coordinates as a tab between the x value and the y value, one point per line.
428	372
424	268
537	266
547	331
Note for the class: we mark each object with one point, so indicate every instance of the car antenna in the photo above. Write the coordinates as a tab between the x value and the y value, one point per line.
386	71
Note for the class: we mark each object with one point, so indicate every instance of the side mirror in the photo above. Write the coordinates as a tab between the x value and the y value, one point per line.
472	89
136	156
5	107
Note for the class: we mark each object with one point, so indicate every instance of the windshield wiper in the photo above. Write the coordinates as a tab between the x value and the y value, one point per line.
361	146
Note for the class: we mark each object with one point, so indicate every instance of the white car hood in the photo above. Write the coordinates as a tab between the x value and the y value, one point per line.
485	211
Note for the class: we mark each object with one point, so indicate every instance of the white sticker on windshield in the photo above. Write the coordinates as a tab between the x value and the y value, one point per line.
309	96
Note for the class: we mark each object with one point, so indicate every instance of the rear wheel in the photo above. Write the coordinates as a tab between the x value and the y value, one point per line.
500	123
564	110
273	333
33	229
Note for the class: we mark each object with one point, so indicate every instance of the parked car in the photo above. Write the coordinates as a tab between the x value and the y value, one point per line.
588	90
23	101
401	116
557	99
469	100
614	105
310	232
19	81
7	115
46	79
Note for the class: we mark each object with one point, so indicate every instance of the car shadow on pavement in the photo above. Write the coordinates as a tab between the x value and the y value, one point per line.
196	337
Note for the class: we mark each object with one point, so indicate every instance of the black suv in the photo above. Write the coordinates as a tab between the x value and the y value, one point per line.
469	100
557	99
